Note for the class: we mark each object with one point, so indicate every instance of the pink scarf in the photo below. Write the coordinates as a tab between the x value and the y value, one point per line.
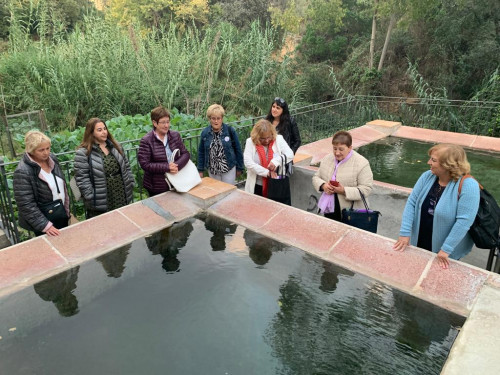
326	202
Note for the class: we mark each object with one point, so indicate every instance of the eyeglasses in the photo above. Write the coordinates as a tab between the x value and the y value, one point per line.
279	100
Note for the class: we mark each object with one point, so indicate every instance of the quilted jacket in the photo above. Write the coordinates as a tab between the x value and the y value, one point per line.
30	189
153	160
98	189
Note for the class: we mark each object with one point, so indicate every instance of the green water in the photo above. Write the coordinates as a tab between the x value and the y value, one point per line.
210	297
401	161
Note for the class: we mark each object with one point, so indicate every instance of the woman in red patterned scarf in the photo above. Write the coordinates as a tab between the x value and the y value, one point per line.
262	156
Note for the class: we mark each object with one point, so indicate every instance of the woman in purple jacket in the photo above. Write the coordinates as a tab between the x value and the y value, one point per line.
155	151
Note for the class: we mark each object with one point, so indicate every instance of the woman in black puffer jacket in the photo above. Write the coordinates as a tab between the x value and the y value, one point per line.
38	180
102	171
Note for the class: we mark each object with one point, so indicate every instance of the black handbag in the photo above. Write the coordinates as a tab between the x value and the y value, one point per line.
365	219
55	211
278	189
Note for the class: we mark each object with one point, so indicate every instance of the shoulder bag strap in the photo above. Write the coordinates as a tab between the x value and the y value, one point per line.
363	199
55	180
462	181
174	153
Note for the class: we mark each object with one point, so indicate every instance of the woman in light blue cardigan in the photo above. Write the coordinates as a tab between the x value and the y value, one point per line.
435	217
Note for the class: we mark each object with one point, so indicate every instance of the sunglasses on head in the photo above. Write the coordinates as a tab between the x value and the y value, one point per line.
280	101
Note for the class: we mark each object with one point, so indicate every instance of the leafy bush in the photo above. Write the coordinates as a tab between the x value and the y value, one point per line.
101	70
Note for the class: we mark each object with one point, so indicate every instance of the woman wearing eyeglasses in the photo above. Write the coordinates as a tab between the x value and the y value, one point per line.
285	125
156	149
262	156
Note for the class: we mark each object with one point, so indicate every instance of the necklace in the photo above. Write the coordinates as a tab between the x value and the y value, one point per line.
439	189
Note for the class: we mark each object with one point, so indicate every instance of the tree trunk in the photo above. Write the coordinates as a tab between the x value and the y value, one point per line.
386	43
372	40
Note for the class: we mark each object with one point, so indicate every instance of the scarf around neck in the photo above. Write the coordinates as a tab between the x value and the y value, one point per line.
326	203
261	151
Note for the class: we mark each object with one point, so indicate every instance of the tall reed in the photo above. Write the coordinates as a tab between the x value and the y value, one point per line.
102	70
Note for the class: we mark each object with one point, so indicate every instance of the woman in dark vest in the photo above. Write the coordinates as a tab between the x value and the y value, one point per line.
102	171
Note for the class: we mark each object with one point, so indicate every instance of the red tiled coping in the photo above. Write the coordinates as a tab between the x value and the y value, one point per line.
318	150
28	260
360	137
414	271
301	159
400	189
31	261
365	134
466	140
209	191
384	124
378	129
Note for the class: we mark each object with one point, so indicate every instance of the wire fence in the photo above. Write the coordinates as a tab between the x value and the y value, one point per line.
315	121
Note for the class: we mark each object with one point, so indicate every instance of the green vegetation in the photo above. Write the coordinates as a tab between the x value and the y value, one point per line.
102	71
77	60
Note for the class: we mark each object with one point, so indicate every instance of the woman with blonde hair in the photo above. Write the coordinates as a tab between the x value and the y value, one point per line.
39	188
436	217
219	150
263	155
102	171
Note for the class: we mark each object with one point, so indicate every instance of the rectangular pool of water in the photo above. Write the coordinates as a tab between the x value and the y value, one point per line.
401	161
206	296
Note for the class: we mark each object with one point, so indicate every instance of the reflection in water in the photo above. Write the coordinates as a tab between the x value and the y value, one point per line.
352	330
419	324
114	261
295	314
261	248
220	228
168	242
330	276
59	290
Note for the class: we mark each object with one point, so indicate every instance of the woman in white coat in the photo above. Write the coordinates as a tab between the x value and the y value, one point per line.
263	157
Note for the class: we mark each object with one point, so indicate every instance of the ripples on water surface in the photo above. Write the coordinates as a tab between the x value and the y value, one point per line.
209	297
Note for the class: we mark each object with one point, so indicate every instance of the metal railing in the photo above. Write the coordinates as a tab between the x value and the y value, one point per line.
316	121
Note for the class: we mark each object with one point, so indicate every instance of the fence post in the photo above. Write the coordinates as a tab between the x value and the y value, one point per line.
7	210
9	136
43	122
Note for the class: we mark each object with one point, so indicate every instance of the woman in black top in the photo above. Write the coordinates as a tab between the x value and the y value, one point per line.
279	116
